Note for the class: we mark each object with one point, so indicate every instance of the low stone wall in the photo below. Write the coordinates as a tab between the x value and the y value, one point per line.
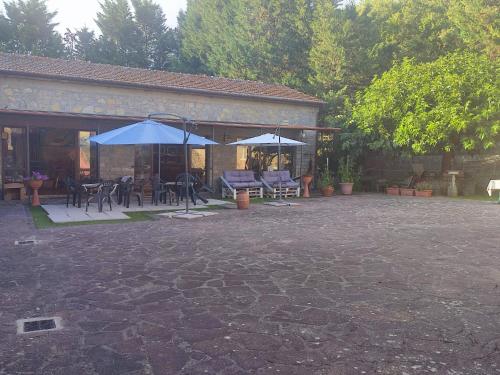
476	171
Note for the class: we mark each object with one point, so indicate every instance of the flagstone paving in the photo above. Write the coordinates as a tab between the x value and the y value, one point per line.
368	284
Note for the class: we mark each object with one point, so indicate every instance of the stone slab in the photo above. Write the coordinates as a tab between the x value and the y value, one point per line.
281	204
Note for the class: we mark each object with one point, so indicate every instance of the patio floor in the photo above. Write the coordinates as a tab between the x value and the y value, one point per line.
59	213
368	284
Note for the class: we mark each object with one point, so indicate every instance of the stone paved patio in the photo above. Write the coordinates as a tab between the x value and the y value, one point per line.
349	285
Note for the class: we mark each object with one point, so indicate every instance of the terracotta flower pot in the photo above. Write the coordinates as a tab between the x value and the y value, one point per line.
392	190
327	191
423	193
346	188
243	200
35	185
306	179
407	192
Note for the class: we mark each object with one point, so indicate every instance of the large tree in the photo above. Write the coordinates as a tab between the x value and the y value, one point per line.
478	24
28	27
159	42
447	105
256	39
136	36
121	36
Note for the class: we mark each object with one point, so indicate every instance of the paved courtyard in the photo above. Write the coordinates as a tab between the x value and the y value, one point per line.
349	285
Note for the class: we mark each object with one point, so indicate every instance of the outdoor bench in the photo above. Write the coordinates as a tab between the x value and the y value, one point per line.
273	180
235	181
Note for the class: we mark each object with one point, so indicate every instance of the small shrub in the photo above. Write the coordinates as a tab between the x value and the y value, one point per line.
423	185
325	179
346	170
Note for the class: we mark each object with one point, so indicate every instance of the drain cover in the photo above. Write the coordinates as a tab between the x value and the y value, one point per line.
26	242
38	325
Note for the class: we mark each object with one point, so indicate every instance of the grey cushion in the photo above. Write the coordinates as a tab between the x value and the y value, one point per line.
285	184
274	177
239	176
248	184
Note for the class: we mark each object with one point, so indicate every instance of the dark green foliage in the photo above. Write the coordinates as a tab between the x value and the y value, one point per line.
358	54
27	27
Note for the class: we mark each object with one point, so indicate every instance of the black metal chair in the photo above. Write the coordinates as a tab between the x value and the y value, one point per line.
105	192
160	191
73	190
133	188
194	182
91	193
123	183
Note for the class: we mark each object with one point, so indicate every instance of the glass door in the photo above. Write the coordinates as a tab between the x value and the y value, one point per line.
87	157
14	155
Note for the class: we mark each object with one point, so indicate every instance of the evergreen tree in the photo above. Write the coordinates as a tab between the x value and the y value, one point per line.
478	24
159	42
254	39
121	39
28	27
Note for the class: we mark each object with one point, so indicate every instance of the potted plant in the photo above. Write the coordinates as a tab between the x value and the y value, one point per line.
35	182
423	189
407	192
346	173
392	190
325	183
307	179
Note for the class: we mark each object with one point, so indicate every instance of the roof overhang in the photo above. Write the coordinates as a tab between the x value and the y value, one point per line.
130	119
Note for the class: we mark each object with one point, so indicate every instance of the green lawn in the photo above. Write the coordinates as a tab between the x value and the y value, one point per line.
480	197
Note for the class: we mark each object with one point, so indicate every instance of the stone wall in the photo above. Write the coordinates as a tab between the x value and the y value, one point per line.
116	161
477	170
76	97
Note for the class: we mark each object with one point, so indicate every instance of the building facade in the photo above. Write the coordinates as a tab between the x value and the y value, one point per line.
50	107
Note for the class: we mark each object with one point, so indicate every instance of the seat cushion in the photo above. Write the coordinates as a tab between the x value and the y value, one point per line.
239	176
274	177
248	184
286	184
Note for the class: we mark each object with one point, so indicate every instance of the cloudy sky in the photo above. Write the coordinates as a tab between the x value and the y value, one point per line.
77	13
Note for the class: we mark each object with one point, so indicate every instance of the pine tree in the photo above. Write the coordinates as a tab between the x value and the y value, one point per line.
121	41
28	27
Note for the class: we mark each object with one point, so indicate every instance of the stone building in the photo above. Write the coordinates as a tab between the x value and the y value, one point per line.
50	107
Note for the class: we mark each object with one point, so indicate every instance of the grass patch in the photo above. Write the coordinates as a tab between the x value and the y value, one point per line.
42	220
257	200
480	197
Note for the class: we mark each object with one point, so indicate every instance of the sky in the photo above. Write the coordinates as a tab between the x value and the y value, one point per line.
74	14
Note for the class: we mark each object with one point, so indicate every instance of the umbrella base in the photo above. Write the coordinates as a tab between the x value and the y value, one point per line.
189	215
281	203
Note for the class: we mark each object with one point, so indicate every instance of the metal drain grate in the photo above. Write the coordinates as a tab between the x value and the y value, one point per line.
26	242
38	325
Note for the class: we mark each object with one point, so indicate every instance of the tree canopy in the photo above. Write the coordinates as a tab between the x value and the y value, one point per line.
28	27
450	104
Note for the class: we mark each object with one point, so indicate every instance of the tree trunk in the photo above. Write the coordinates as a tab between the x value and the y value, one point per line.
447	161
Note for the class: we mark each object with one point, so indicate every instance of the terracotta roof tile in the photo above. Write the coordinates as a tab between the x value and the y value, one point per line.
85	71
